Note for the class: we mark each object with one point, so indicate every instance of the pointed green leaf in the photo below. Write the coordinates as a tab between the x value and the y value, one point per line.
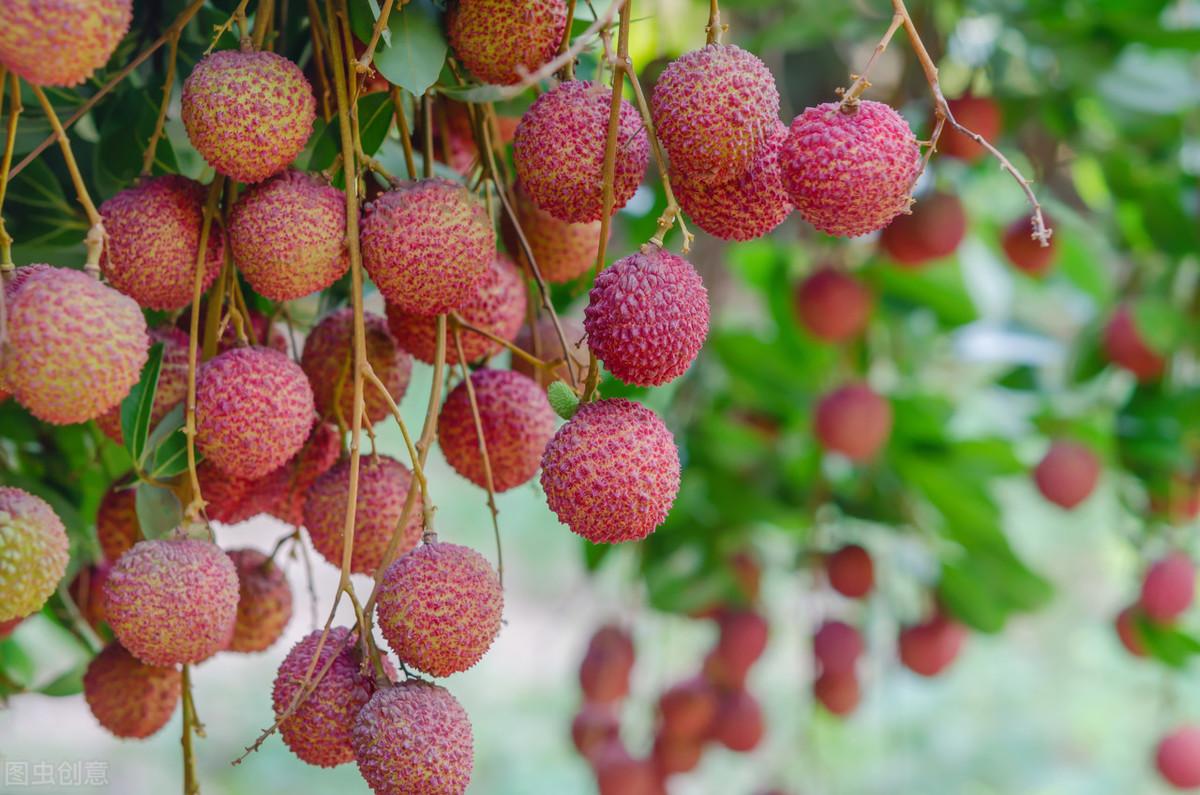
158	510
414	59
137	405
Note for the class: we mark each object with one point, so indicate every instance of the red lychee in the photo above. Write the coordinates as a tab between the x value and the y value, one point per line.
60	43
933	230
264	601
172	383
1025	252
604	672
740	643
832	305
977	114
672	755
850	571
1168	588
930	647
837	647
225	495
502	41
87	591
286	489
618	773
563	251
548	348
1178	758
1127	631
592	727
1126	346
33	552
328	361
739	721
687	709
1067	474
117	527
838	692
854	421
128	697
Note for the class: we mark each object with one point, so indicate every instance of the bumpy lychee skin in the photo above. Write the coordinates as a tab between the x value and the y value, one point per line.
153	237
517	424
832	305
715	109
289	236
254	408
548	348
414	739
128	697
853	420
563	251
264	601
117	527
172	601
1067	474
933	230
383	484
978	114
499	39
496	304
1168	588
328	363
1177	758
851	571
287	488
1025	252
33	553
75	347
80	34
318	731
172	383
647	317
559	151
590	462
224	495
440	607
1126	347
850	174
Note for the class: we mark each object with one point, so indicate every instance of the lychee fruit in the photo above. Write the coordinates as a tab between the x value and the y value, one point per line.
594	726
715	109
502	41
838	692
739	722
687	709
414	738
225	495
592	459
87	591
264	601
517	424
606	666
287	487
1126	346
929	648
1025	252
850	571
559	148
1178	758
128	697
741	641
647	317
618	773
172	383
850	173
1127	631
1067	474
383	484
7	627
33	553
426	245
172	600
81	34
439	608
248	113
318	730
837	647
977	114
254	408
1168	588
74	348
328	361
674	755
154	233
548	348
853	420
454	134
117	527
933	230
832	305
495	304
289	236
563	251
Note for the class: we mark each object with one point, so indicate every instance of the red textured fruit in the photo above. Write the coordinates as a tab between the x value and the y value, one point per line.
328	361
288	236
1068	473
930	647
1168	588
426	245
740	643
1126	347
1178	758
172	383
832	305
977	114
849	174
153	233
563	251
172	601
837	647
715	109
592	727
1025	252
128	697
853	420
117	527
286	489
592	459
454	135
838	692
673	755
80	35
249	114
264	601
502	41
1128	633
933	230
647	317
496	304
687	709
33	553
224	495
440	608
739	722
617	773
604	672
517	424
414	738
87	591
559	147
548	347
850	571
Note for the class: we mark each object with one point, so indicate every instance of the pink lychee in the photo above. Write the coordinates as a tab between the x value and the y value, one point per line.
850	571
853	420
502	41
563	251
128	697
1067	474
1168	588
264	601
60	42
328	361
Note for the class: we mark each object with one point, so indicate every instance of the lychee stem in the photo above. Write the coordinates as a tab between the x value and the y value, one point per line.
363	65
458	322
410	163
568	69
14	114
715	27
160	121
238	16
320	46
427	135
264	16
191	784
861	83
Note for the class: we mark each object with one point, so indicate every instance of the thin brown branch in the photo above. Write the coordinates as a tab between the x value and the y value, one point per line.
410	163
191	784
861	82
427	134
168	85
363	65
14	114
715	28
567	72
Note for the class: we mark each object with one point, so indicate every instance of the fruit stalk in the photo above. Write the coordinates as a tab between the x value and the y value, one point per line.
191	784
410	164
715	28
168	84
861	82
520	353
568	69
363	64
14	114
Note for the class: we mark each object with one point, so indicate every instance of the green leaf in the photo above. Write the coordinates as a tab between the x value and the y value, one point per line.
138	404
414	59
67	684
374	121
1166	644
1158	322
158	510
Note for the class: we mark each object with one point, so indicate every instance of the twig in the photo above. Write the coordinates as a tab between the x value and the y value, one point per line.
238	16
427	134
168	85
263	17
191	784
568	69
520	353
715	28
410	163
417	468
14	114
861	83
363	65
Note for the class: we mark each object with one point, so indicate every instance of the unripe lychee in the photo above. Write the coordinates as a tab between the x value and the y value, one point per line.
929	648
606	666
838	692
60	43
647	317
739	722
687	709
559	151
501	41
264	601
172	383
318	730
440	607
1178	758
618	773
427	244
414	738
837	647
289	236
117	527
328	361
548	348
128	697
594	726
854	421
33	553
1168	588
1067	474
977	114
673	755
1025	252
1126	346
563	251
1128	633
172	601
590	462
832	305
383	484
517	424
932	230
74	348
153	236
715	109
248	113
850	571
286	488
495	304
850	174
254	408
